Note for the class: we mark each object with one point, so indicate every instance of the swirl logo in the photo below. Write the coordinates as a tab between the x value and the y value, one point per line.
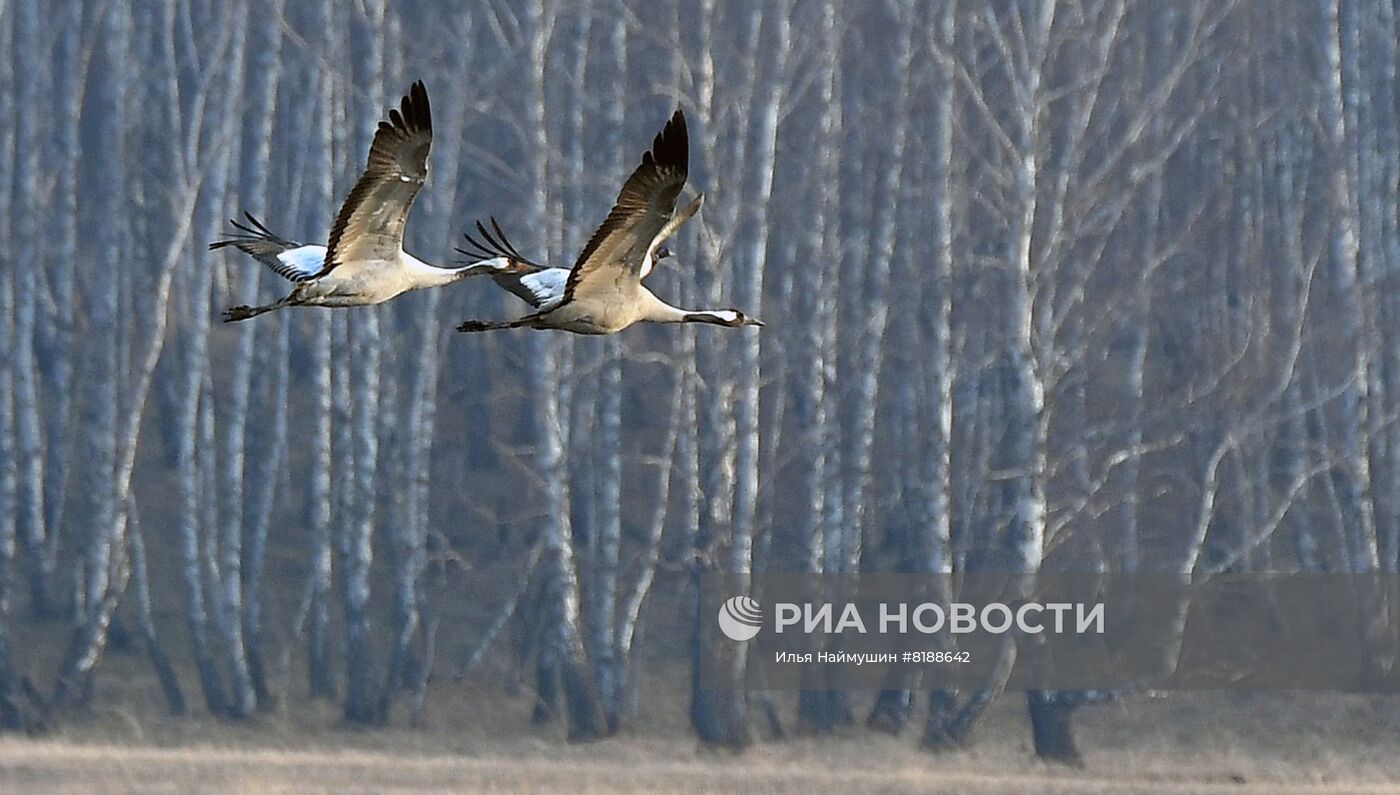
740	618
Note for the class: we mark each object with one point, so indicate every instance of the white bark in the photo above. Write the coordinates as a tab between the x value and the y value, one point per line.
563	645
25	239
1354	478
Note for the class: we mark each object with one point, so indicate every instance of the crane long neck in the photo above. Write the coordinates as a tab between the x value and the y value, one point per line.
658	311
425	275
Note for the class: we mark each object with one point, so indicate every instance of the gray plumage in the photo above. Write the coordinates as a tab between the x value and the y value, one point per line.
603	292
364	262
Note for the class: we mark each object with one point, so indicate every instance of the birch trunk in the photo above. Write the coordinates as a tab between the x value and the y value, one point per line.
411	596
193	356
356	544
26	209
606	653
1353	476
246	513
820	709
326	453
57	329
562	656
229	531
11	715
719	717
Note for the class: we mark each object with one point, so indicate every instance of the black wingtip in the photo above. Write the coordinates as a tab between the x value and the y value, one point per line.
239	231
477	252
417	112
413	114
494	245
506	244
671	147
250	230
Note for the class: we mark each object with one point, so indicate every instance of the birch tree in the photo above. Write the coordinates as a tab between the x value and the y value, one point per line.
244	576
719	716
562	655
11	714
29	442
55	328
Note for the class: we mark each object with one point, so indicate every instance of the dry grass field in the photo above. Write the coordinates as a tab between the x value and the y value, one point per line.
635	766
1203	742
626	767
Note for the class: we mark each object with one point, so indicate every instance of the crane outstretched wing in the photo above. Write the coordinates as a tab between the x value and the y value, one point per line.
645	204
370	223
